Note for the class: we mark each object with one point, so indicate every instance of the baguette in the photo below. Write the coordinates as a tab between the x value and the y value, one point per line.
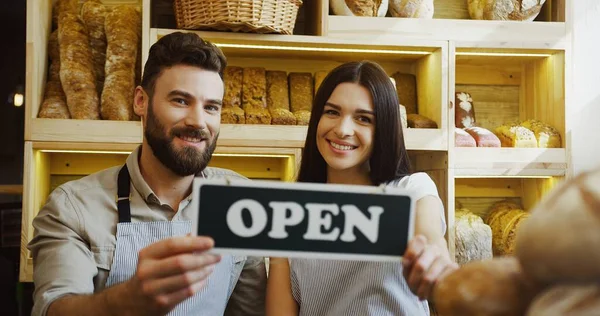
77	68
93	14
55	102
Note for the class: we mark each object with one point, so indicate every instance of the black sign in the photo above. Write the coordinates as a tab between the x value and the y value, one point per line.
268	218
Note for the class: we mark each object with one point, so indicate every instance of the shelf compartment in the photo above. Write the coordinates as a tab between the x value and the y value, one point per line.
50	164
426	60
482	162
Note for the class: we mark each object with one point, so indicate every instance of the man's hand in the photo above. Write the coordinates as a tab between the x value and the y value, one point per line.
424	264
170	271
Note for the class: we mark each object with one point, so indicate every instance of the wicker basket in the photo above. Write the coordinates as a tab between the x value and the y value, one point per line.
254	16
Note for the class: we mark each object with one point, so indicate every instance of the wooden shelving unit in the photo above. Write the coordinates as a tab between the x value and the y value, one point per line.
514	70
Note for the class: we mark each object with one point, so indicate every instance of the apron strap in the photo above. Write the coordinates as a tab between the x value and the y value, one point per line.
123	195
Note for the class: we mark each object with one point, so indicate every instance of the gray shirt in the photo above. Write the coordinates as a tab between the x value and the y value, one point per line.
74	238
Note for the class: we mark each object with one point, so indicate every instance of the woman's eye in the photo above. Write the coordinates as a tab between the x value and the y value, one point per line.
213	108
364	119
330	112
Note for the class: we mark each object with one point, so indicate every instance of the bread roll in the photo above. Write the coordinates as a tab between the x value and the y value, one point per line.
546	135
301	91
516	136
473	237
463	139
232	76
406	87
233	115
420	121
483	137
411	8
523	10
254	89
567	299
257	116
319	77
464	113
359	7
560	240
55	102
93	14
121	26
77	68
302	117
491	287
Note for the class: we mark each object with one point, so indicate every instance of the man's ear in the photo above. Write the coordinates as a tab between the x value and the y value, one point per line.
140	102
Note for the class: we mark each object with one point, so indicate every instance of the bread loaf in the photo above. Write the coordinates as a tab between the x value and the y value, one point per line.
463	139
232	76
420	121
483	137
319	77
505	218
491	287
301	91
258	116
411	8
516	136
123	38
93	14
302	117
60	6
55	103
546	135
560	240
233	115
473	237
523	10
464	114
406	87
359	7
567	299
254	89
77	68
278	100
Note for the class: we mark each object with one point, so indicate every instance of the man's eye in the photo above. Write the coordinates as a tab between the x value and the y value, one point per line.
180	101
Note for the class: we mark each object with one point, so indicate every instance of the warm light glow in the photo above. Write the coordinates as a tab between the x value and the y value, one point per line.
501	176
252	155
69	151
18	99
325	49
502	54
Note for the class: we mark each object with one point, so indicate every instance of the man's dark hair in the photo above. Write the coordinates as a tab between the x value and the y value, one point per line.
181	48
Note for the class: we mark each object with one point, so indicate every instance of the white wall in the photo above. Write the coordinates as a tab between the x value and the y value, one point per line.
583	118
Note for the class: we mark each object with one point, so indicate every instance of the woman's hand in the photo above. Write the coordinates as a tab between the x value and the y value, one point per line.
424	263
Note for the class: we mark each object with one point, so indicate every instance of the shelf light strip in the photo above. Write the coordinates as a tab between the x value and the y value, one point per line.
502	54
129	152
325	49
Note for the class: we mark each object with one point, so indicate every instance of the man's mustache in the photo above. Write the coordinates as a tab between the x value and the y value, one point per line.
190	132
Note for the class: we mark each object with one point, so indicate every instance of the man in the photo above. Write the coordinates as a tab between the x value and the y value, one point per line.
117	242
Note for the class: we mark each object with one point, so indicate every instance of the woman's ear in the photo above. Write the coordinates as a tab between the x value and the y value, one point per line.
140	102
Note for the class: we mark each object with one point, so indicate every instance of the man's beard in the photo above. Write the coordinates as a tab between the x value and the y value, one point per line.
183	162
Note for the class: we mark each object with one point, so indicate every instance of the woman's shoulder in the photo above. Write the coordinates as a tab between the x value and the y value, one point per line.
412	181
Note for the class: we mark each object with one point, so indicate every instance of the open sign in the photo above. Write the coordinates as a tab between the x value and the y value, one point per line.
268	218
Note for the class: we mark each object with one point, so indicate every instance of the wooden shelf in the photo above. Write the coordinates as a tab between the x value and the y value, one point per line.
14	189
465	32
509	162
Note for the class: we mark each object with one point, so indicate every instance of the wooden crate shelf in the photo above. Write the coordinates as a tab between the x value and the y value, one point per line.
508	162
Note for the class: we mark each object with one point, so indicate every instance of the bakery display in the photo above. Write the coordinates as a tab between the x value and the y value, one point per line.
473	238
302	117
278	100
406	87
546	135
491	287
463	139
505	9
420	121
254	95
411	8
233	115
123	38
77	68
560	240
483	137
464	114
359	7
516	136
54	104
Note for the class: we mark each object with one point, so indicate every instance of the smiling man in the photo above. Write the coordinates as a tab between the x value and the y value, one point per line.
116	242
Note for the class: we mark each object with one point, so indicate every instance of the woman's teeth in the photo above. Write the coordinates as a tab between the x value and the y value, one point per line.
341	147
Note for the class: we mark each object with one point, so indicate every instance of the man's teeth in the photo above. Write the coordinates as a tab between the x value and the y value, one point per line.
341	147
191	139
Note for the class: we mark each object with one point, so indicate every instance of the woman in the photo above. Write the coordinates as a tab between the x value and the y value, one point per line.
355	137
